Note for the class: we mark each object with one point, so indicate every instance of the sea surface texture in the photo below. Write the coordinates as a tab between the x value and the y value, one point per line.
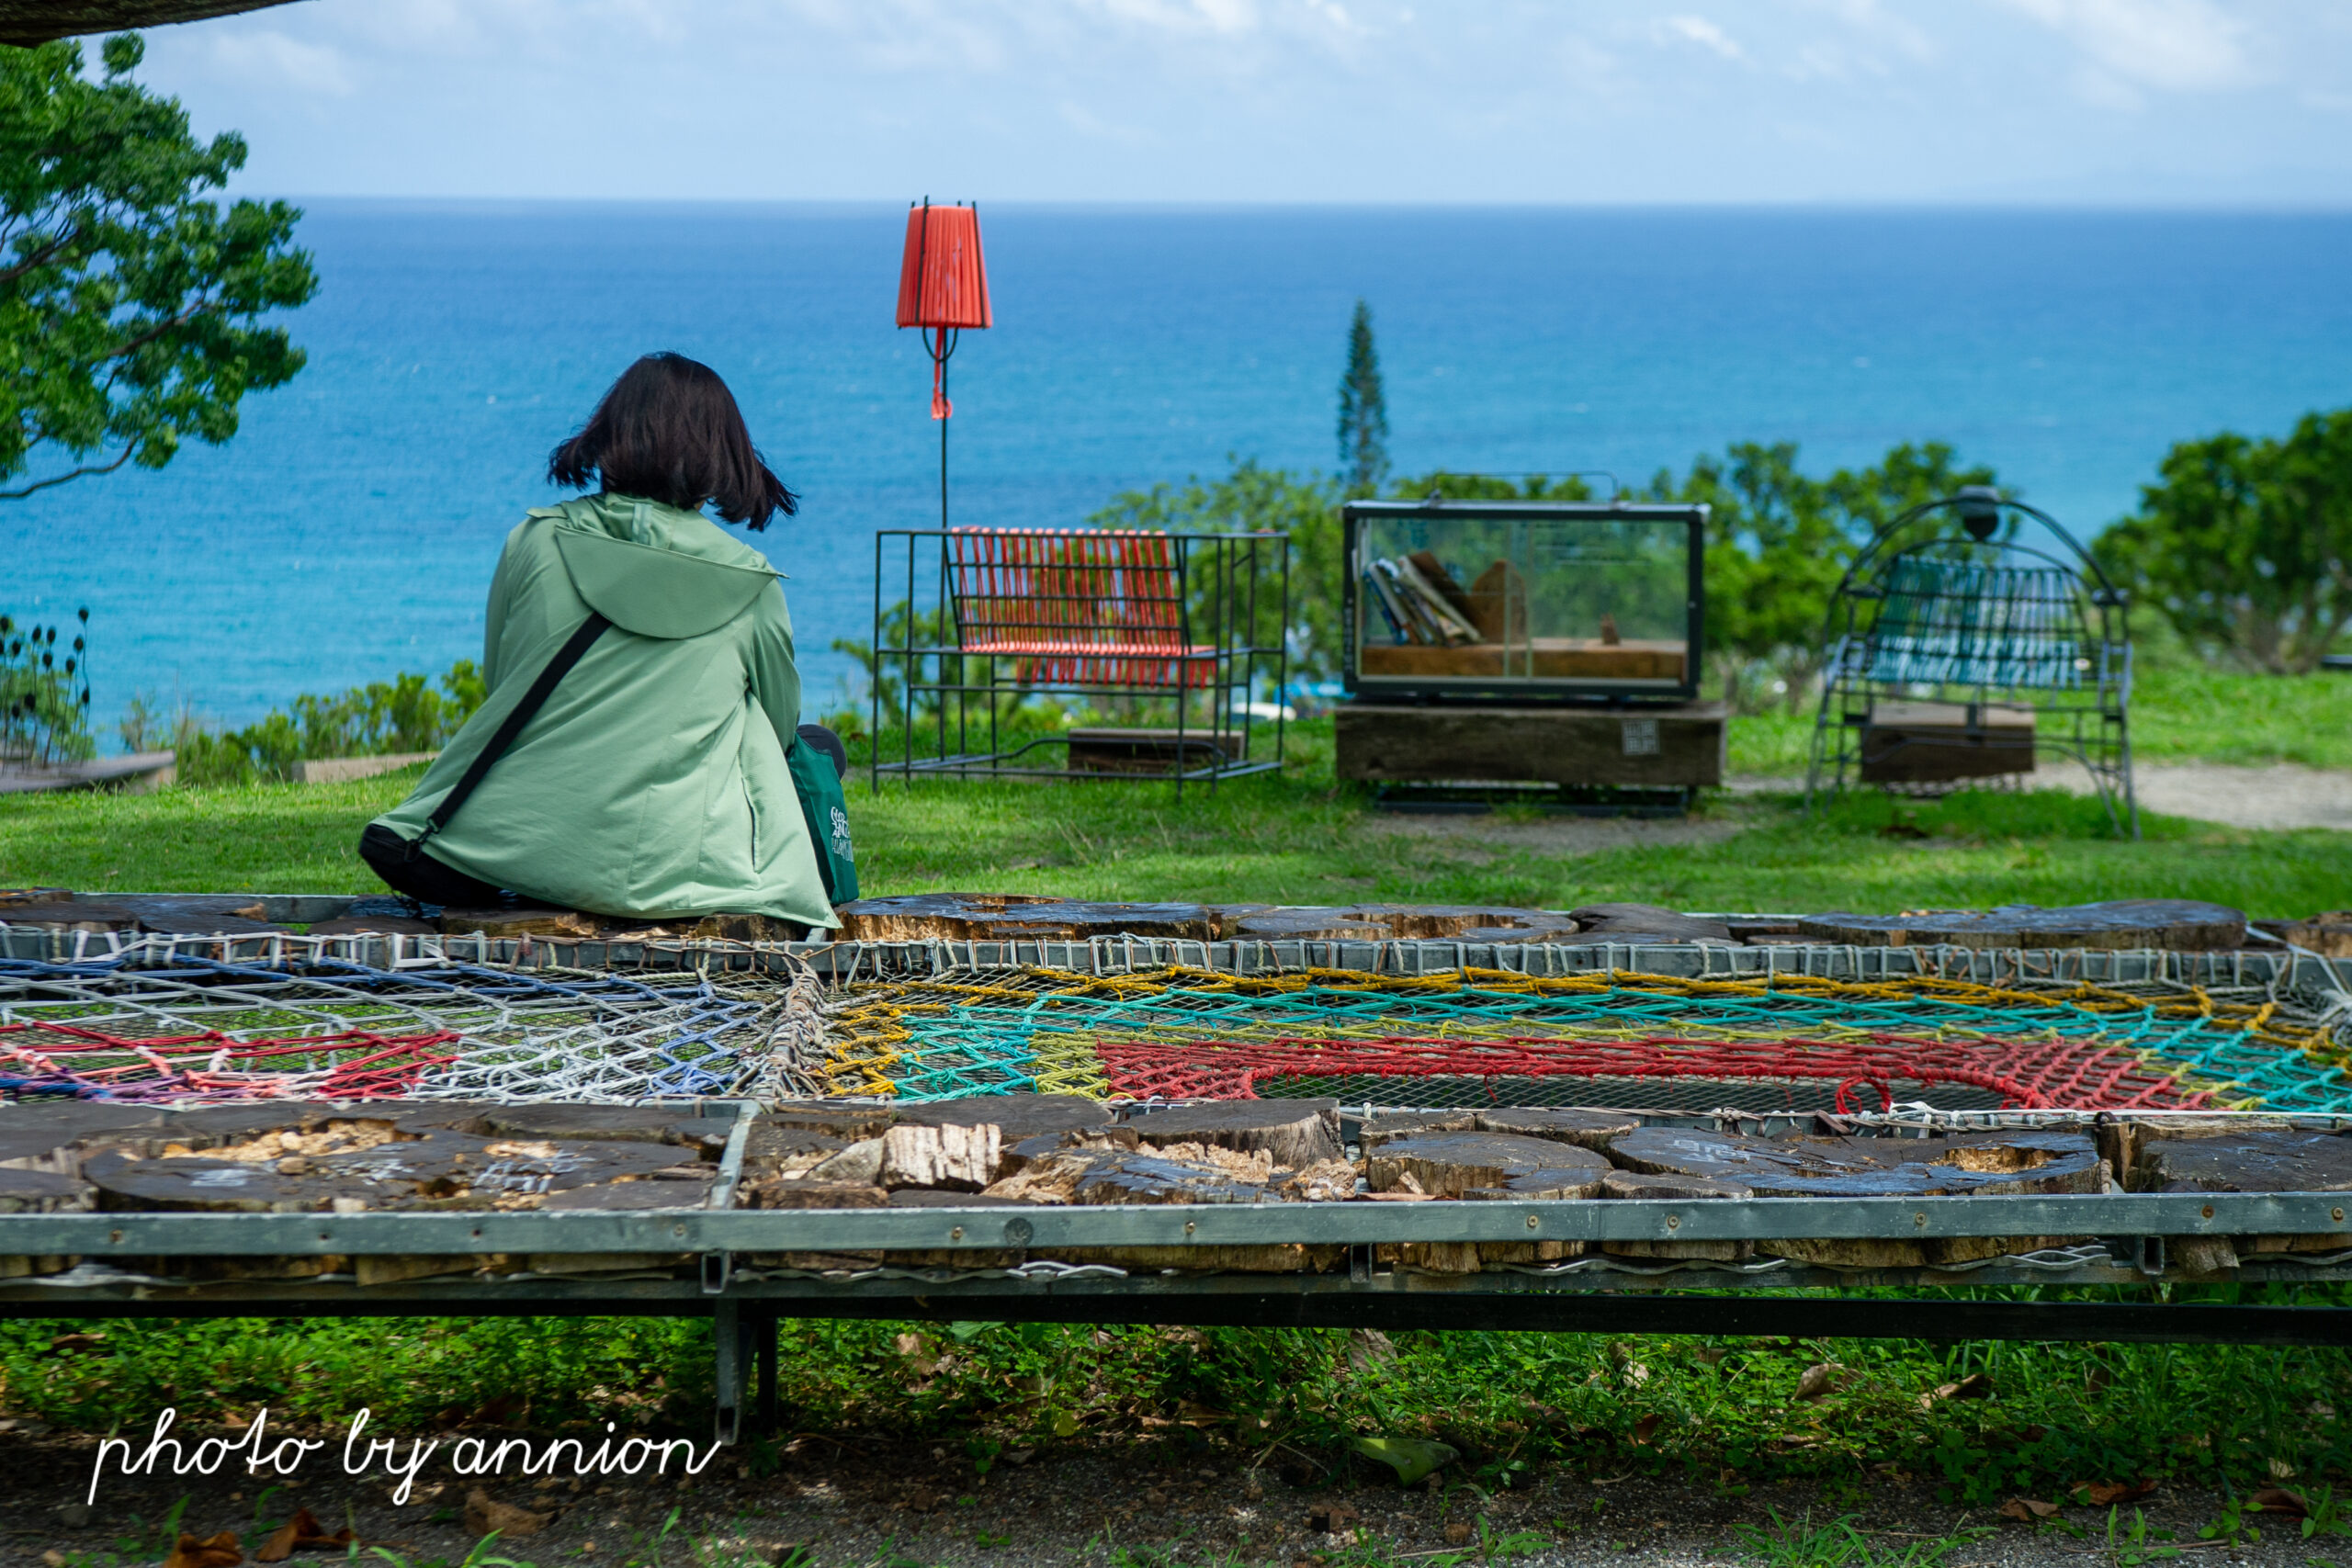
349	529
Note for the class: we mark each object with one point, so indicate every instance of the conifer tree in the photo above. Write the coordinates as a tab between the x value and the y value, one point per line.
1364	412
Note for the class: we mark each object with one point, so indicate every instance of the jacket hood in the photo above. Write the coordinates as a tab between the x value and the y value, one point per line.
654	569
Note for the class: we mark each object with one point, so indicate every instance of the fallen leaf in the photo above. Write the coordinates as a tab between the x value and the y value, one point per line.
302	1532
485	1515
2029	1510
1369	1348
1826	1377
1331	1517
2279	1500
1643	1427
2105	1494
2281	1470
1976	1385
1411	1458
219	1551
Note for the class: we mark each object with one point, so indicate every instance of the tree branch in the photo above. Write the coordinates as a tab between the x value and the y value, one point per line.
10	275
71	474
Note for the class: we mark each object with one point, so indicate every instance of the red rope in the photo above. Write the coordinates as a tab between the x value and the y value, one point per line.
2029	1074
64	1057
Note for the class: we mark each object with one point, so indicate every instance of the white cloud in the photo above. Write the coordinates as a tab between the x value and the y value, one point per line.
281	61
2173	45
1703	32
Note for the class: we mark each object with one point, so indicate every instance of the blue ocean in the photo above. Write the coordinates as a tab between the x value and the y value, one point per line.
349	530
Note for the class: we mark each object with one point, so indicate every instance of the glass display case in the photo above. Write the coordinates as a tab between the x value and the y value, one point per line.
1517	600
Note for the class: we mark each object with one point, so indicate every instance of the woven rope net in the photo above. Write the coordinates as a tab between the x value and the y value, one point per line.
1477	1037
196	1029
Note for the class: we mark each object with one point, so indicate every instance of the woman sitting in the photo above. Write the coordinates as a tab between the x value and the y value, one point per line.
652	782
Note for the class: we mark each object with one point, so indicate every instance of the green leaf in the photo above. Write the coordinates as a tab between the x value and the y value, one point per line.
1413	1459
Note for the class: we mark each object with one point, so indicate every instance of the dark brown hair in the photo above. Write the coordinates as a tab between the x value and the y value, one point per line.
668	430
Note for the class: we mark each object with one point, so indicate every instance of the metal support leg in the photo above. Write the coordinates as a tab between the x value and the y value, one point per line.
763	1346
730	1342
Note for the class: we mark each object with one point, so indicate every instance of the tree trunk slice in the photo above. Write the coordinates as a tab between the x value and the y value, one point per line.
522	920
1295	1132
2201	1257
852	1120
1224	919
1867	1167
1308	925
1284	1257
1645	922
1014	1116
951	1156
399	1267
460	1164
788	1150
196	1185
2329	934
43	1193
1685	1189
796	1194
1391	1125
56	1150
205	1270
2174	924
1449	1165
622	1123
1121	1178
706	1138
1585	1129
1007	917
76	1118
605	1262
630	1196
2269	1160
917	1198
950	1258
1019	1156
376	925
1462	923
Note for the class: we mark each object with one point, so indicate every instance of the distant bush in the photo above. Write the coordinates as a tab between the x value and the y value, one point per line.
381	718
2245	546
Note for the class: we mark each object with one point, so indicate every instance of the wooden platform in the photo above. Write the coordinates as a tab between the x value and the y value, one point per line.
1101	749
1548	659
1932	742
1677	746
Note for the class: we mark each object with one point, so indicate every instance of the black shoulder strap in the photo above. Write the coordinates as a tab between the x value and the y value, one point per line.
521	714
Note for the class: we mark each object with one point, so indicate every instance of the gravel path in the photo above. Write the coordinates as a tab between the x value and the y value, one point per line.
2283	795
1165	1504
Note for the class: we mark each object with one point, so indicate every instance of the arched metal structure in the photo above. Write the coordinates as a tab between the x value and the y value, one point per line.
1963	653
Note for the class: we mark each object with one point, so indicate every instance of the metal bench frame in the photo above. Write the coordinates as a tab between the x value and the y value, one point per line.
986	618
2056	641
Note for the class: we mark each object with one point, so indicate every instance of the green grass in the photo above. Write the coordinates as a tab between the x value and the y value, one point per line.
2180	713
1293	839
1720	1409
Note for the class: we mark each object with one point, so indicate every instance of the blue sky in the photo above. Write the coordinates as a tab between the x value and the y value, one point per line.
2062	101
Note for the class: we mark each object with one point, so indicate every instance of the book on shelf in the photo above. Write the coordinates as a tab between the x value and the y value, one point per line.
1446	623
1391	608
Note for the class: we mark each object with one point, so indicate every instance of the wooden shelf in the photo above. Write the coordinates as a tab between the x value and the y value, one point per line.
1547	658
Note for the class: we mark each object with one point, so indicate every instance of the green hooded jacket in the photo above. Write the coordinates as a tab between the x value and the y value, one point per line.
653	783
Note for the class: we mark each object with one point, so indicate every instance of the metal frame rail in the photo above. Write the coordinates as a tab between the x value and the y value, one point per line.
755	1267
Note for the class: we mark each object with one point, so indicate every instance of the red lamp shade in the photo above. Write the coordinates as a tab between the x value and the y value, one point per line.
942	280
